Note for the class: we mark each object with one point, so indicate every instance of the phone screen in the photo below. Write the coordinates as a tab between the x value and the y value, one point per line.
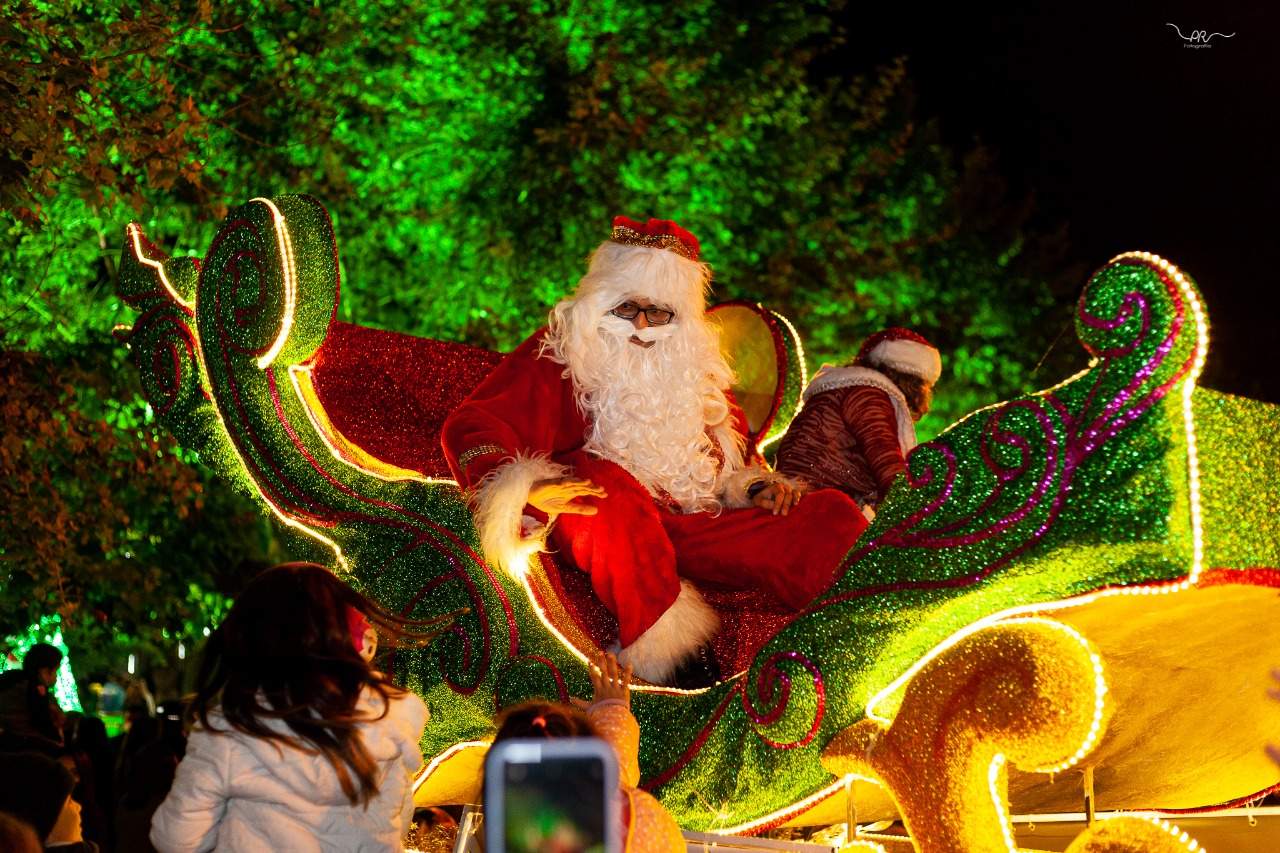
553	802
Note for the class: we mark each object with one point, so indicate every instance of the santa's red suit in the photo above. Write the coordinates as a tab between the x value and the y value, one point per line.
528	422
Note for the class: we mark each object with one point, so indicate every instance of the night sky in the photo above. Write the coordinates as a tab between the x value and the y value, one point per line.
1130	138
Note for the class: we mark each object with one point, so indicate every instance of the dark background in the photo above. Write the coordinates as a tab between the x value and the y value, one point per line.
1118	130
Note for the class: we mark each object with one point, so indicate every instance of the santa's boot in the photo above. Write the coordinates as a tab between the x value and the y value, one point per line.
674	649
698	671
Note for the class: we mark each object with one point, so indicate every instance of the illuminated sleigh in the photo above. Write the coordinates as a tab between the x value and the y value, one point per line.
1054	579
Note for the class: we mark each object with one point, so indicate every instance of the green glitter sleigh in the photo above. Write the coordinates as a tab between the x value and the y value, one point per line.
1103	481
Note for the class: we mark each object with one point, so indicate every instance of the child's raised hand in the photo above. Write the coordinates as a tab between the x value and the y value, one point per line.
610	680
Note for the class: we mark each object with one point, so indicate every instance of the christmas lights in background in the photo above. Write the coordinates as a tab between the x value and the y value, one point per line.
47	630
1090	486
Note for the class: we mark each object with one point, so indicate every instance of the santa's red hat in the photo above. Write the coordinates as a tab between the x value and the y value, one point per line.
656	234
904	351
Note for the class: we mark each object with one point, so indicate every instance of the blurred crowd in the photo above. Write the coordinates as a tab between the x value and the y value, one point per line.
291	740
64	782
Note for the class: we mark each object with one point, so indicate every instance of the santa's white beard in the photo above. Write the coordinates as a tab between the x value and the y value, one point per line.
651	407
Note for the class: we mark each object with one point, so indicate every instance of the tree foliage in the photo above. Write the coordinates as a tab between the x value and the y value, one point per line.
473	154
108	523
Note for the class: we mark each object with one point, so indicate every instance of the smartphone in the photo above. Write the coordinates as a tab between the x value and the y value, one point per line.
551	796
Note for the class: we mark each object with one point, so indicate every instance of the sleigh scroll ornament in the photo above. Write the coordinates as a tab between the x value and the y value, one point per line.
1117	509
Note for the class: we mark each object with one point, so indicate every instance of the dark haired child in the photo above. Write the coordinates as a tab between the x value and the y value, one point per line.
300	744
647	825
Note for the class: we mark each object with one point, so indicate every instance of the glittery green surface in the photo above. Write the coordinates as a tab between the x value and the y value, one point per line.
1083	486
1239	479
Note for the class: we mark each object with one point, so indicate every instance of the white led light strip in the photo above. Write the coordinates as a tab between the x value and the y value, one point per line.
289	267
135	238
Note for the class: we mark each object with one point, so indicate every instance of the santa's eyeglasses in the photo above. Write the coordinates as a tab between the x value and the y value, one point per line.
655	315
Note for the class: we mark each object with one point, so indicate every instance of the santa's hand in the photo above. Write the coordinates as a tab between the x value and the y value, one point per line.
559	496
779	497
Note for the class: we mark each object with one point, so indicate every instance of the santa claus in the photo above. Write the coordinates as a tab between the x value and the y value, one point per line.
858	421
612	433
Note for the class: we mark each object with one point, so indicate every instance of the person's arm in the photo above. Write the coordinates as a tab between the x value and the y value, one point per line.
513	413
410	715
499	442
610	715
754	484
187	821
870	416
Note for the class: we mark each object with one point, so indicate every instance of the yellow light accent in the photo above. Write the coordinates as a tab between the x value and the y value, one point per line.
340	447
1188	387
434	764
943	761
547	623
799	806
1100	684
804	377
275	510
289	267
997	800
135	238
1133	831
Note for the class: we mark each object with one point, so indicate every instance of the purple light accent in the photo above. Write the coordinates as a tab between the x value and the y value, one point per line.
1075	449
1123	316
1022	444
772	674
894	534
930	538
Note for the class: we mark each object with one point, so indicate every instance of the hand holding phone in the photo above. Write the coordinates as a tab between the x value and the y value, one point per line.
555	795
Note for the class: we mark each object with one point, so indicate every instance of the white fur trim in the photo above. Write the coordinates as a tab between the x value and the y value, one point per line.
831	377
498	503
687	624
618	271
910	357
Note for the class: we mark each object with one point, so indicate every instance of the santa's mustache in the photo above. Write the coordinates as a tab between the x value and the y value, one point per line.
619	328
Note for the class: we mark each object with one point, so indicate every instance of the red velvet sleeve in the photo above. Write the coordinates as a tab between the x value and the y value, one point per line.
869	415
524	406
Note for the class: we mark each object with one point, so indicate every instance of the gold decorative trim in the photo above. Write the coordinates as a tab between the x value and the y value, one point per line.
468	456
670	242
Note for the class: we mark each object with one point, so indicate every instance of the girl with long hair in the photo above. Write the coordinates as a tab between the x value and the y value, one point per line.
299	743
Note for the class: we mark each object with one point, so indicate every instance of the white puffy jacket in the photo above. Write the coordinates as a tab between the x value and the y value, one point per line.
234	792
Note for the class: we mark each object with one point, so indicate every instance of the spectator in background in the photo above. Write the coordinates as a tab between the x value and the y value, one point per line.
299	744
150	778
29	715
96	789
17	836
648	826
37	789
